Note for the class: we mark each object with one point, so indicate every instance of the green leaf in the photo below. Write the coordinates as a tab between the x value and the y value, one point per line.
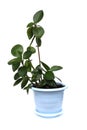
49	75
45	66
14	61
17	81
28	65
38	16
22	71
30	32
38	41
24	82
16	76
27	88
17	50
55	68
39	69
15	66
27	54
38	32
30	24
31	49
36	77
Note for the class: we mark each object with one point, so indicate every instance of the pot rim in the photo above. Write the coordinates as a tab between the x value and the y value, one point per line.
49	89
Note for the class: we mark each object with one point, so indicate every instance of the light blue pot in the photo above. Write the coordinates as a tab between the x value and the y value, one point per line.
48	102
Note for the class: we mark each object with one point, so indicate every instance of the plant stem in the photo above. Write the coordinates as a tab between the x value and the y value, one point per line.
39	55
32	40
39	60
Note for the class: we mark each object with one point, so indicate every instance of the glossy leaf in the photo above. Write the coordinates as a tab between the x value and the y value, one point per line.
30	32
14	61
38	41
38	32
39	69
45	66
27	54
15	66
31	49
24	82
49	75
17	81
22	71
36	77
55	68
38	16
30	24
16	76
17	50
28	65
27	88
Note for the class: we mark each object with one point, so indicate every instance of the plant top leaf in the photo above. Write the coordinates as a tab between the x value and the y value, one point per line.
38	32
30	24
30	32
38	16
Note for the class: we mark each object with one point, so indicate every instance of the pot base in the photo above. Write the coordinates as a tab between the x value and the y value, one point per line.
51	115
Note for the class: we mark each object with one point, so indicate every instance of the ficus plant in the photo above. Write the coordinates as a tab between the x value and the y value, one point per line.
26	73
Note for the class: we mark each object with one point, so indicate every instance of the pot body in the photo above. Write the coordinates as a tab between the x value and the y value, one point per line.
48	102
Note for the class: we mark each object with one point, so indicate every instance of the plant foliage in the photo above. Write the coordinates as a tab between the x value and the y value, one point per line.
26	73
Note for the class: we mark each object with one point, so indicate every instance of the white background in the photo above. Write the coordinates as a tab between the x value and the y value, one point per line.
64	43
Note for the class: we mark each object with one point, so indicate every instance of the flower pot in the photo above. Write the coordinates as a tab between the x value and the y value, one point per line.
48	102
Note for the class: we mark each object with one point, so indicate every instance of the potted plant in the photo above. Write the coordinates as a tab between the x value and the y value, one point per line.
48	92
